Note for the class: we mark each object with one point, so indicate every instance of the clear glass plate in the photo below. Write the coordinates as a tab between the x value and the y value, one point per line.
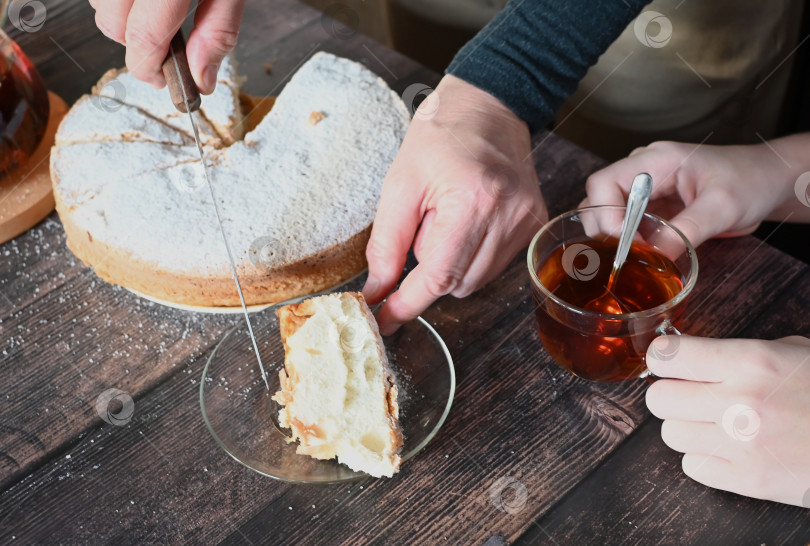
240	415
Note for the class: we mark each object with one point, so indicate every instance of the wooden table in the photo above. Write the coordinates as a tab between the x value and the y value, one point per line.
587	455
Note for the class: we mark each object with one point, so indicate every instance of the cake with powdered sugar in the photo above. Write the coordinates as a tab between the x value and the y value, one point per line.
297	189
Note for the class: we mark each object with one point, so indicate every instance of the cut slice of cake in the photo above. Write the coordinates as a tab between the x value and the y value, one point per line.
338	393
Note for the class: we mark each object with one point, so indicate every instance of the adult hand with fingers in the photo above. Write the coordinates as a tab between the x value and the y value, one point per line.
463	191
738	410
147	27
710	191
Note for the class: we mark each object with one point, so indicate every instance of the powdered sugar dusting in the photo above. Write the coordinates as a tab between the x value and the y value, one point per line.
221	108
92	120
87	171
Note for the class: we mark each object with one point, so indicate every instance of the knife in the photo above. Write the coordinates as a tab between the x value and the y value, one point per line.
186	98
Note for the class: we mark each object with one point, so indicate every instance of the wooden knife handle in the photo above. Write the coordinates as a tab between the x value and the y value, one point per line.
178	75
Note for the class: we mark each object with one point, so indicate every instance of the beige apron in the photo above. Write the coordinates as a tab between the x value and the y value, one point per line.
687	70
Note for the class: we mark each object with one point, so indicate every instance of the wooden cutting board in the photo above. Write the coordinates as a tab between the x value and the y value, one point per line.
26	196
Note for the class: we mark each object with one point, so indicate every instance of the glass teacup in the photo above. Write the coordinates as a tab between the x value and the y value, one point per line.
593	333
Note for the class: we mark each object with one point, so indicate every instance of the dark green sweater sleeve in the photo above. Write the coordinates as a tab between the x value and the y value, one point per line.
533	53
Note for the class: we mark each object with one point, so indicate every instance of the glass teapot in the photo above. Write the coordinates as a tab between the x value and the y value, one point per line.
24	106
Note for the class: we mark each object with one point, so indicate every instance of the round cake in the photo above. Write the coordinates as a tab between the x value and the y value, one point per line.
297	192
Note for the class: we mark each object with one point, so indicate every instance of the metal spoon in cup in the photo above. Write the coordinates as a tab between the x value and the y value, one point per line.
636	205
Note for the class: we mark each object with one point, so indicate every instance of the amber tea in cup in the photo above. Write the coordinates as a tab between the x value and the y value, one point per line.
598	335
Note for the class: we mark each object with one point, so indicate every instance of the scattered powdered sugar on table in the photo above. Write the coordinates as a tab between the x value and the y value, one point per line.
97	324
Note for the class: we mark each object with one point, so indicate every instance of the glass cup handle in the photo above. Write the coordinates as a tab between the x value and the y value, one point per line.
664	329
667	329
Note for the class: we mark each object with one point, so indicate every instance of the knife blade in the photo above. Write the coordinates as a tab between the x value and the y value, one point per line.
186	98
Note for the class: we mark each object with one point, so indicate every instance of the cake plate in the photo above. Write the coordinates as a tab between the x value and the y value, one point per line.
240	415
350	284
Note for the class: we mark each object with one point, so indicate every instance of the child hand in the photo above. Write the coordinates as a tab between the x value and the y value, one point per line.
739	410
709	190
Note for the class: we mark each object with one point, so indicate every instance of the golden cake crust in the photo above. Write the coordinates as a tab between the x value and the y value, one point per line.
313	274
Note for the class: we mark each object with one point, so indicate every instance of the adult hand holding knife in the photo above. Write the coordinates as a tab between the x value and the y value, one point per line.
146	28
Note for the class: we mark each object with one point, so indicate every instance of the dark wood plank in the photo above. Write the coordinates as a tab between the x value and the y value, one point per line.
34	264
62	351
37	262
286	51
792	318
517	416
633	499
